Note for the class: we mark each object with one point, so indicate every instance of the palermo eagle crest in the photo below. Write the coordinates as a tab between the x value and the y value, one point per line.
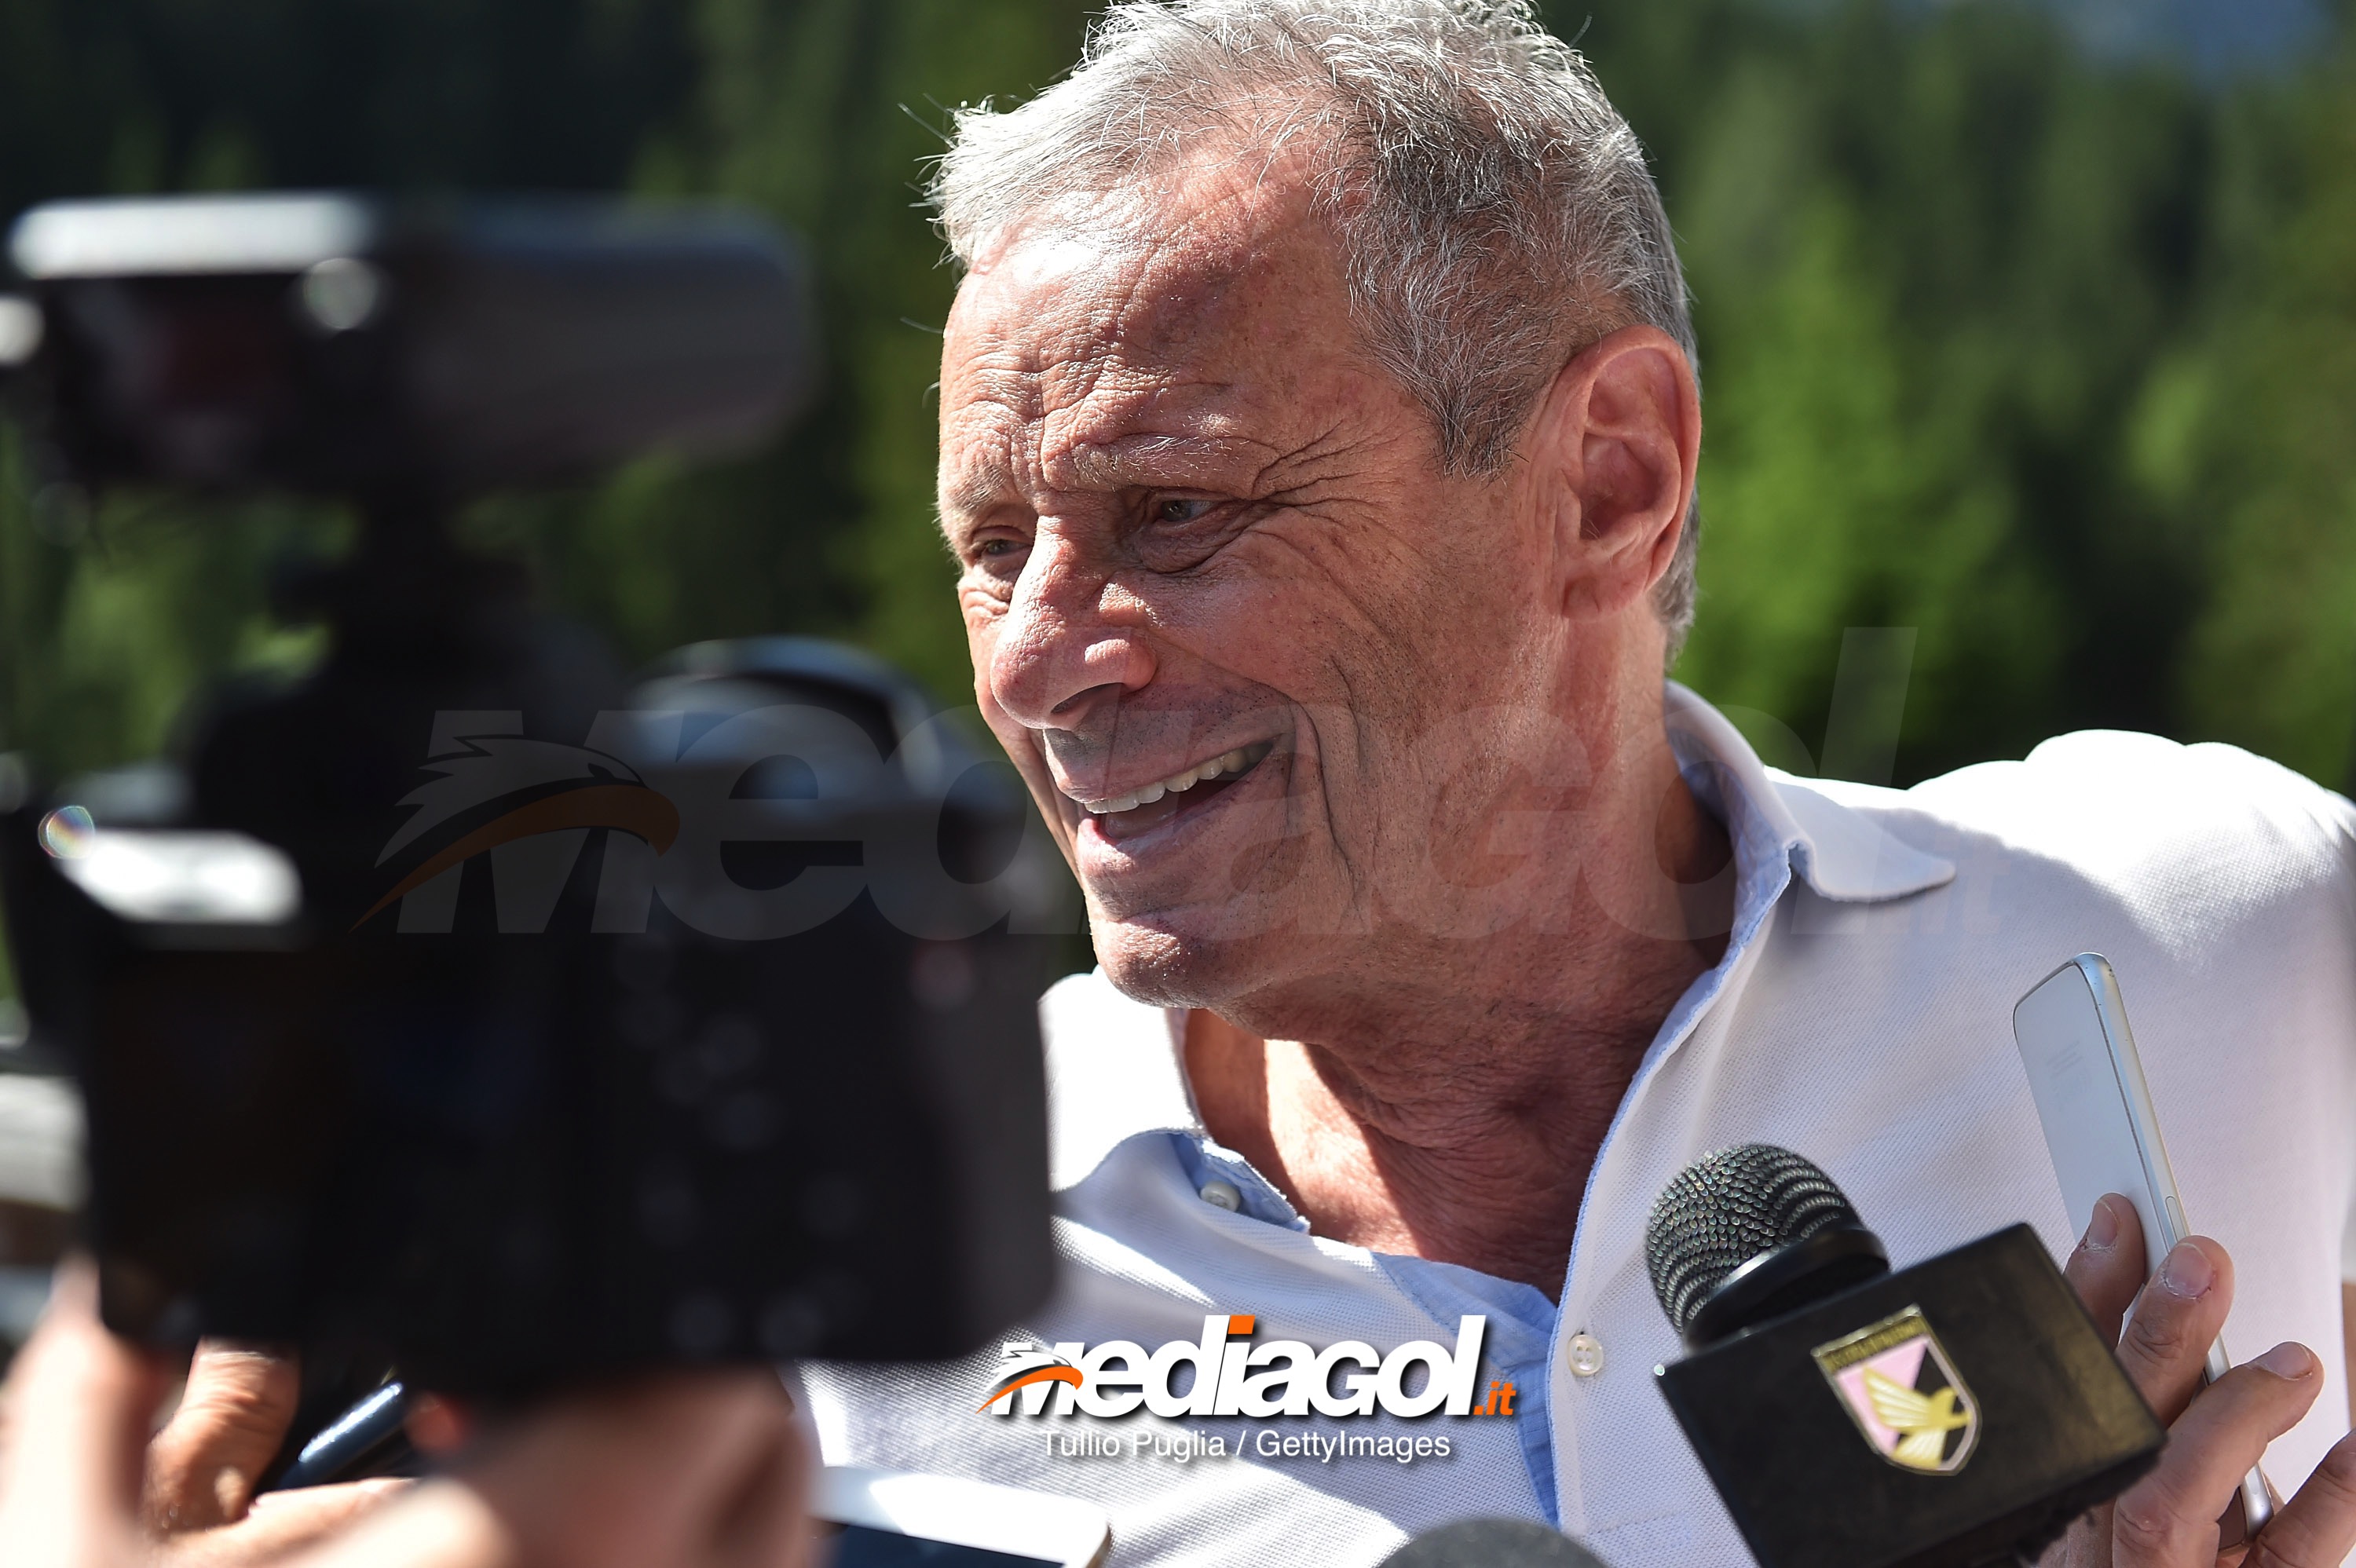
1905	1396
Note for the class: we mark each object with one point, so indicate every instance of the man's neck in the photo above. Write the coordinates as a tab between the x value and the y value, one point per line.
1459	1121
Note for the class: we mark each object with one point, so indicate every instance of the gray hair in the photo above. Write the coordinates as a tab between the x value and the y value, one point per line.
1495	212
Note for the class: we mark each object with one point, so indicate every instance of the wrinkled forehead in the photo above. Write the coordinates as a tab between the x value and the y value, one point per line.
1192	306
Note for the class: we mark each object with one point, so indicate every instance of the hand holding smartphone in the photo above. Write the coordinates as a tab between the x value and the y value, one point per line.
2103	1132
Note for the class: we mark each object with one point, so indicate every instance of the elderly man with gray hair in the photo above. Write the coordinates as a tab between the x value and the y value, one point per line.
1319	431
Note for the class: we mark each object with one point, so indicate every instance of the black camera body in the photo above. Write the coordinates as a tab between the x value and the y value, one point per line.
380	351
462	1002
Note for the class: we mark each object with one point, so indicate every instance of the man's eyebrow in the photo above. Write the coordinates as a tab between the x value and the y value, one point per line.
1245	465
1140	459
1144	459
975	490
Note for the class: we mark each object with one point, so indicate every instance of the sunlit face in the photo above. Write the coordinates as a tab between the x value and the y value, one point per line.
1244	639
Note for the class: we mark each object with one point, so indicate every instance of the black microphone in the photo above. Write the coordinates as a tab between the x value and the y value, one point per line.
1492	1543
1958	1412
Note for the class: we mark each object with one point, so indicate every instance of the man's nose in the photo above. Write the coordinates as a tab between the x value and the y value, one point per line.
1071	641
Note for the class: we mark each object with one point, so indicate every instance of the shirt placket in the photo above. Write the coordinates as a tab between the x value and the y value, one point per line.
1582	1354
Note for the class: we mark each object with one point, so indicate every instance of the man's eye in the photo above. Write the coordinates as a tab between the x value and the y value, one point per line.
990	548
1179	510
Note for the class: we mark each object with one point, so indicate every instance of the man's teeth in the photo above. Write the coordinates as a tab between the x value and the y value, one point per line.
1232	762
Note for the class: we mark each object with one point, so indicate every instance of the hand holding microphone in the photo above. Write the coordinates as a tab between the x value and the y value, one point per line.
1957	1412
1966	1410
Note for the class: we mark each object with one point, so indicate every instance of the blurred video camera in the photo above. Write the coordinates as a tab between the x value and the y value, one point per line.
464	1002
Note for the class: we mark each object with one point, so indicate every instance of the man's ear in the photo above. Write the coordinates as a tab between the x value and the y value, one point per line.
1613	453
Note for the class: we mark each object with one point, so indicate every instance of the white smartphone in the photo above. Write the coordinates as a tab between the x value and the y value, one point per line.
2101	1130
886	1518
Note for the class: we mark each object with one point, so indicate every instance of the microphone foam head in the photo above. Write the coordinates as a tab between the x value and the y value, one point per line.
1492	1543
1726	1209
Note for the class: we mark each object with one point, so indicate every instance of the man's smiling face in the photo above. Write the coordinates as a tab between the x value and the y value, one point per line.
1220	595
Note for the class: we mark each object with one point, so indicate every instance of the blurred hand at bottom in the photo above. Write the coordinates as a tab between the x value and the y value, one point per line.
685	1470
199	1490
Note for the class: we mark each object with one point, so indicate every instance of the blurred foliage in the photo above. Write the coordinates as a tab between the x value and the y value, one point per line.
2252	434
817	110
2050	356
1934	259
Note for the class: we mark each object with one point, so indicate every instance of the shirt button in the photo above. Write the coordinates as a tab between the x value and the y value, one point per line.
1223	1195
1584	1352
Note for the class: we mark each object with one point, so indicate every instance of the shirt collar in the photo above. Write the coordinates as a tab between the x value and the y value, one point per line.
1115	1067
1812	825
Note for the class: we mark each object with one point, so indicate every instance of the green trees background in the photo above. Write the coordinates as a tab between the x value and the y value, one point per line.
2050	358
